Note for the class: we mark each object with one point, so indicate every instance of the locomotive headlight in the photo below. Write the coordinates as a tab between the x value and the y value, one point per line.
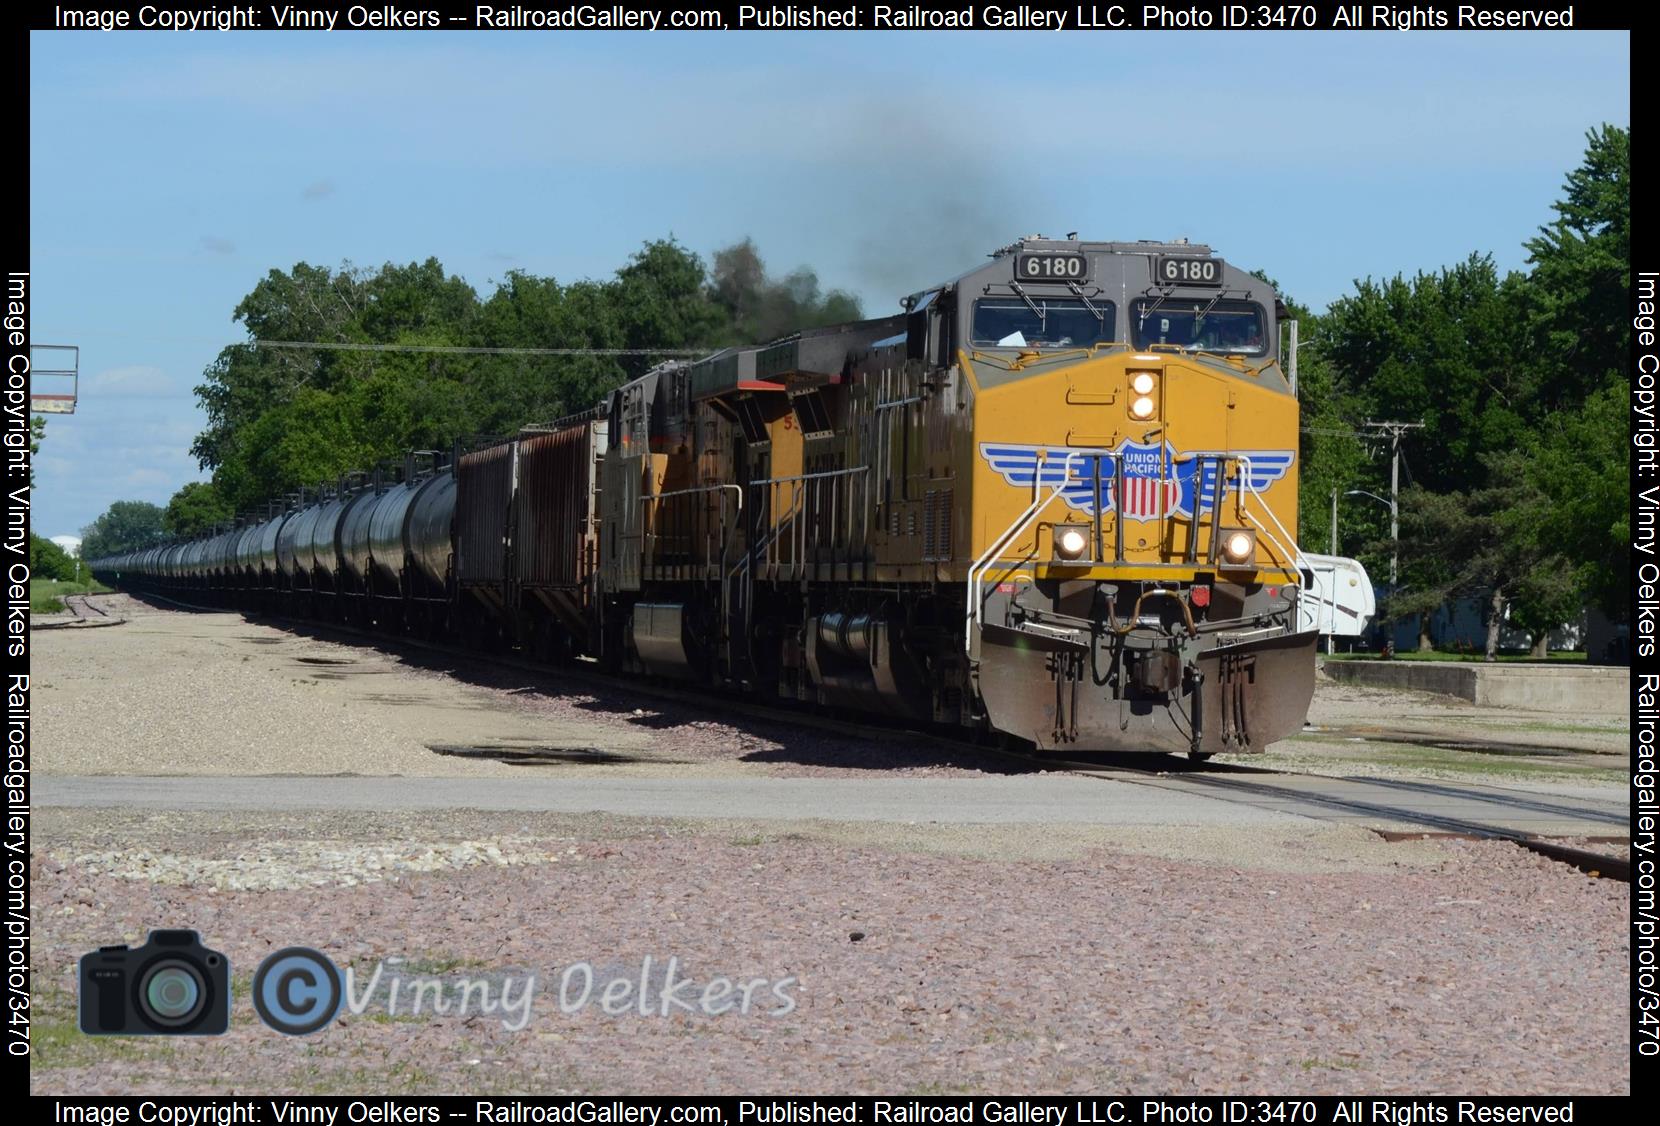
1070	541
1238	547
1143	382
1143	408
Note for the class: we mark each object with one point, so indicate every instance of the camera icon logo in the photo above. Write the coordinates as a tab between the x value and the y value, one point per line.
170	986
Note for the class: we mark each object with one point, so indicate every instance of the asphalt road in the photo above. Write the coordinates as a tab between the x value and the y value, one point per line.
1045	799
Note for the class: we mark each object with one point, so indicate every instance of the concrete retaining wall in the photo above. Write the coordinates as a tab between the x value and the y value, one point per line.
1539	688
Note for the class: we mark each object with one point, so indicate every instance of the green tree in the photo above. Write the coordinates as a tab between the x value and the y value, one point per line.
1442	349
1581	278
195	509
1510	542
1571	499
1578	466
1333	457
279	418
128	525
49	561
308	304
307	441
37	431
660	301
502	392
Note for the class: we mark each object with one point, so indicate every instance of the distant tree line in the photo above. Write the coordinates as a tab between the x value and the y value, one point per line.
280	418
1517	488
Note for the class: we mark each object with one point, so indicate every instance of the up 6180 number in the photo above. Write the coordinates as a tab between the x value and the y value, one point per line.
1190	271
1051	267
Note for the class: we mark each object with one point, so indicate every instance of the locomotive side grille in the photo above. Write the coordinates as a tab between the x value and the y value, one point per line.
936	525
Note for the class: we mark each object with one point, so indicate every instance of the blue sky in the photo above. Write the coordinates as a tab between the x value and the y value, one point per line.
168	172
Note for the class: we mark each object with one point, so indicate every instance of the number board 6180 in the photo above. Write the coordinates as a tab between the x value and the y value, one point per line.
1190	271
1051	267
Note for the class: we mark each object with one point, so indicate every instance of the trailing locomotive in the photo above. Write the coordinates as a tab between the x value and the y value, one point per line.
1055	498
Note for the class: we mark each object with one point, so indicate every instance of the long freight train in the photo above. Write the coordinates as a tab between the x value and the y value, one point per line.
1055	498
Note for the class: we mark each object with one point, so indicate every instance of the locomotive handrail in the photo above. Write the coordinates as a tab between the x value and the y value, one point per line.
653	538
812	476
787	518
764	542
800	498
977	573
1295	555
736	489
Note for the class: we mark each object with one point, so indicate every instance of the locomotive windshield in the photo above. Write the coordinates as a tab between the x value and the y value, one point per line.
1200	324
1009	322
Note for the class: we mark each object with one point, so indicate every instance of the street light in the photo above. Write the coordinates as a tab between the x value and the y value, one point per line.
1394	533
1394	526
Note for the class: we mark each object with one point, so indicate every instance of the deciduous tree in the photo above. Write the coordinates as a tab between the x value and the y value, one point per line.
128	525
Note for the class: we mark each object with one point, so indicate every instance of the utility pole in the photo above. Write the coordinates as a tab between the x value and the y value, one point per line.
1331	595
1394	430
1291	360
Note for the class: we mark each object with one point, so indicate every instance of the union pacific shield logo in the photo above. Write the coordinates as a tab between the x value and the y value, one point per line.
1154	480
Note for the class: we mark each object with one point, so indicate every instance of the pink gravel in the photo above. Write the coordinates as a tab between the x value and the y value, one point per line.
1495	971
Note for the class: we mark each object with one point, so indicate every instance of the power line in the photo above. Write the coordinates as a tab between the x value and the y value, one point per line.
1394	431
456	350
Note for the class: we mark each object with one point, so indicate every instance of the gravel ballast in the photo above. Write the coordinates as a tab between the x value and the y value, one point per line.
1470	967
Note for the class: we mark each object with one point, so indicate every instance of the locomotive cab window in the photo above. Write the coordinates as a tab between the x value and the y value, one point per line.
1048	322
1235	327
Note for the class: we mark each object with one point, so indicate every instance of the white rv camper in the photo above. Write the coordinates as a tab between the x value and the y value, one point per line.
1337	596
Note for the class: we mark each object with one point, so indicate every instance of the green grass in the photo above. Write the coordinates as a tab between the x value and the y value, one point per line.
56	1039
1329	1064
1556	657
46	595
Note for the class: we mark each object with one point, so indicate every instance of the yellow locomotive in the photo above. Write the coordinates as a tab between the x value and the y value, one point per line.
1056	498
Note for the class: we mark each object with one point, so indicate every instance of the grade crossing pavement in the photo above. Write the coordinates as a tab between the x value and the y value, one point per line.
1129	798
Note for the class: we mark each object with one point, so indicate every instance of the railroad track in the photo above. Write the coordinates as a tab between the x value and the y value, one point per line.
1357	800
84	614
1364	798
83	608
